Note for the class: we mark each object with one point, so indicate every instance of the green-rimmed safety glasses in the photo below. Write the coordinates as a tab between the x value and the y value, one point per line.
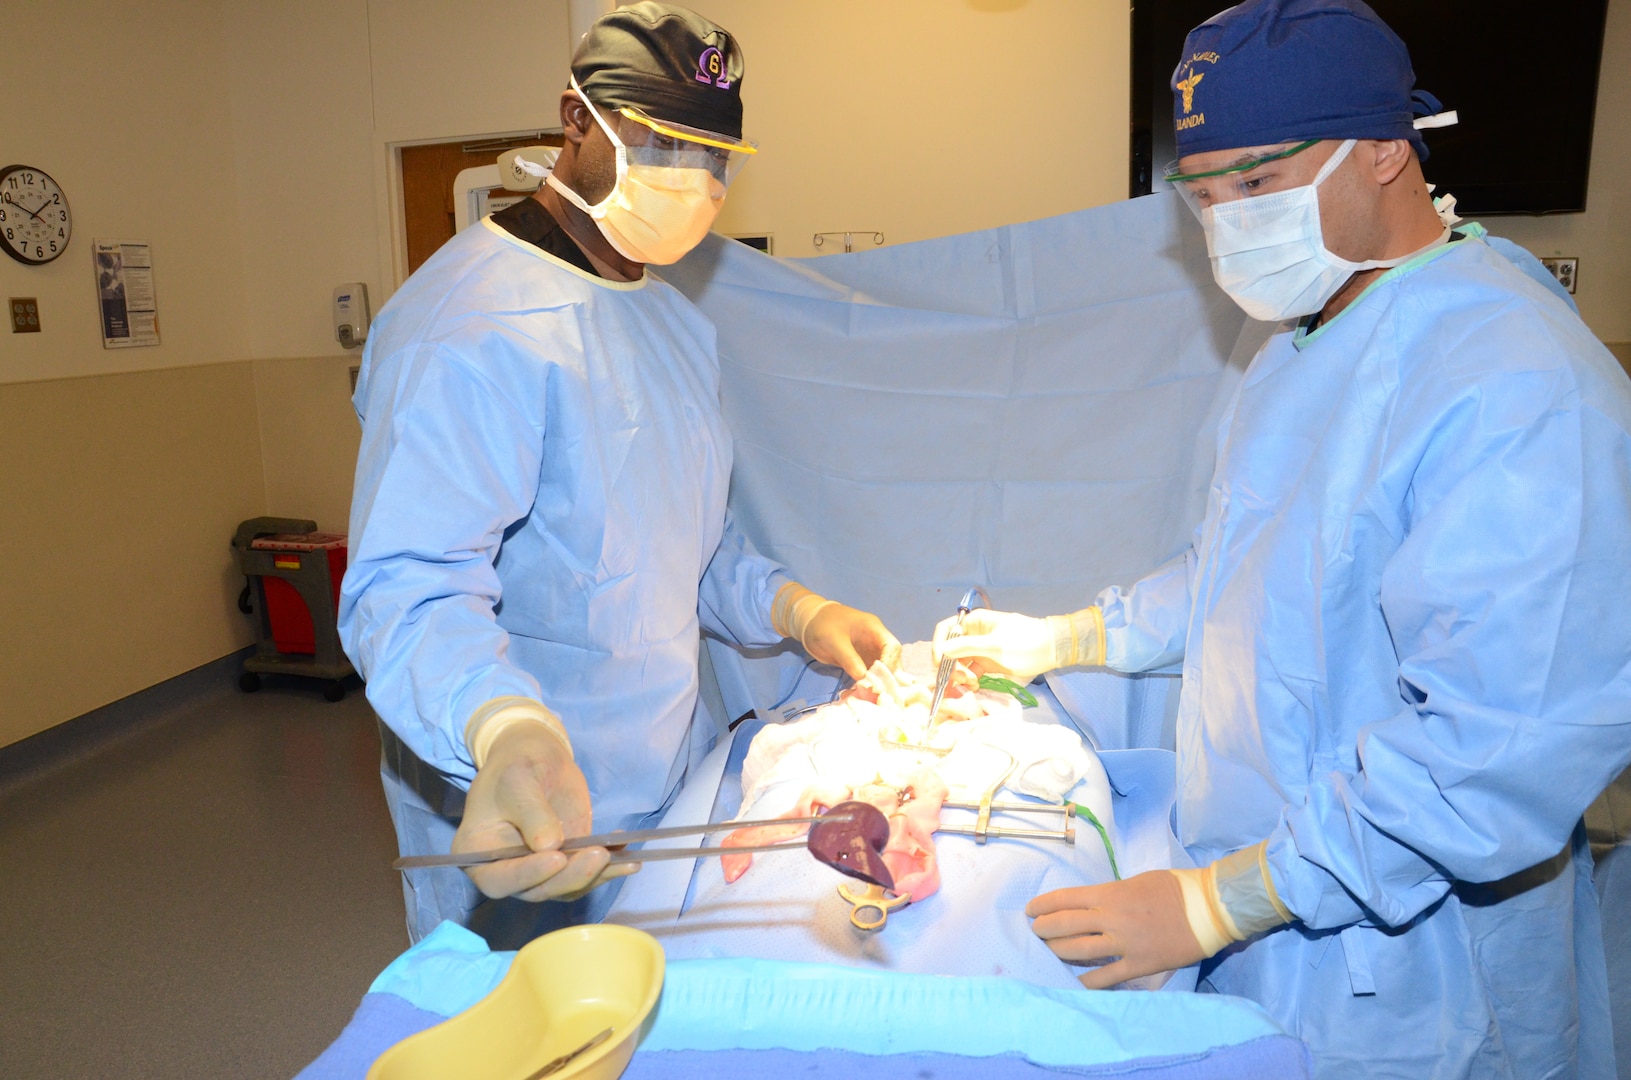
1249	175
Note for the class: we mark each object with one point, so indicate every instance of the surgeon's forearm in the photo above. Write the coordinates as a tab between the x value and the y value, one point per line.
430	663
1145	624
737	589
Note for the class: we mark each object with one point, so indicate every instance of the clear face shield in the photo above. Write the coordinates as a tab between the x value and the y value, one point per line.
664	144
1248	175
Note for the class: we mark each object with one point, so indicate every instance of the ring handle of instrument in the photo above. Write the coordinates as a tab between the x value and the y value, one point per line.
871	906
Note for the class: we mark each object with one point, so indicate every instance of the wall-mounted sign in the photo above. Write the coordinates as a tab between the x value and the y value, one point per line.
124	289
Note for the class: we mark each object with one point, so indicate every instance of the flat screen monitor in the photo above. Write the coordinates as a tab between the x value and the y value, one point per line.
1522	76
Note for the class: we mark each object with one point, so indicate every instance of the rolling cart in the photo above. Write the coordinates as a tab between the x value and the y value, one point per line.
293	577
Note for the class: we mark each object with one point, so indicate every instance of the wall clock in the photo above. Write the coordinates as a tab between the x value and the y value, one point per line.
35	223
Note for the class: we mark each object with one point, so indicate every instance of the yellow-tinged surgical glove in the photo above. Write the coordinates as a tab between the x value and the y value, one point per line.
528	790
493	717
1019	646
1161	920
831	632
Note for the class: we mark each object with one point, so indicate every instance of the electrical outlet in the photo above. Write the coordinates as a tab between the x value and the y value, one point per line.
25	314
1564	269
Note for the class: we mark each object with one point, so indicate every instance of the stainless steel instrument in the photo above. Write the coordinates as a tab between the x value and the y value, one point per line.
943	674
616	841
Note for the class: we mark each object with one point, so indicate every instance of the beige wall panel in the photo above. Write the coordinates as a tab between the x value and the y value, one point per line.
926	117
309	437
121	494
1622	352
125	105
1600	237
304	153
443	69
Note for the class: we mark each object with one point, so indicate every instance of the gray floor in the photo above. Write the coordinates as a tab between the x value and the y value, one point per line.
208	894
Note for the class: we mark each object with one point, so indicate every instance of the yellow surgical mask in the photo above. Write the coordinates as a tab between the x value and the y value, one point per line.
654	213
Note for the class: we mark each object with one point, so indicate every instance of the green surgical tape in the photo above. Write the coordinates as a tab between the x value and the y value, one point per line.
1008	686
1093	819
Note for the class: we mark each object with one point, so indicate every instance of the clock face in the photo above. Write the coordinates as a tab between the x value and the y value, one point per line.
35	223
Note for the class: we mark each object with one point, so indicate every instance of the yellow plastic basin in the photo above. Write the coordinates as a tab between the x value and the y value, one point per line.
563	990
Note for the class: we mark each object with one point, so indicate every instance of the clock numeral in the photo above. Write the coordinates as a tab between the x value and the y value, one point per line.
56	200
2	213
53	246
9	235
59	233
61	215
39	252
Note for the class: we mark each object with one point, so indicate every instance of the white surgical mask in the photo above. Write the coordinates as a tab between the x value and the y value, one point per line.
1268	252
653	214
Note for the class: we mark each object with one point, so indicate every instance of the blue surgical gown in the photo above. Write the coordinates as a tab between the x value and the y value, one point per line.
539	511
1405	631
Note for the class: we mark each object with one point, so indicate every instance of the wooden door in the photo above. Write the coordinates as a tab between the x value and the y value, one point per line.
428	173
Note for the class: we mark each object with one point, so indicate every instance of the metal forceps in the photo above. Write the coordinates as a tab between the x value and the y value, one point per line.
617	843
943	675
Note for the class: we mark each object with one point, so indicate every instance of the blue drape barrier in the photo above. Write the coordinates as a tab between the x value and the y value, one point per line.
1025	408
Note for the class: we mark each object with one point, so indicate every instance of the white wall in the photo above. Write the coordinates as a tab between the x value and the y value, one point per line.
124	107
926	118
302	115
321	89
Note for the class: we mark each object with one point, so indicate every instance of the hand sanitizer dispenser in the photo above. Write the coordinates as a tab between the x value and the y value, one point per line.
351	314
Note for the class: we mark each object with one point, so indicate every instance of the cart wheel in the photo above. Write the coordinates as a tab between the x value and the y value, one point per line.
334	691
249	682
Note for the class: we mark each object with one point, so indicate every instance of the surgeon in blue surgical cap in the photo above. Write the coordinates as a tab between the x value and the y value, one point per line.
1405	621
539	528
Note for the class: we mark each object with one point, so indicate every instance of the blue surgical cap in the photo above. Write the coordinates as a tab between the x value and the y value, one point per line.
1274	71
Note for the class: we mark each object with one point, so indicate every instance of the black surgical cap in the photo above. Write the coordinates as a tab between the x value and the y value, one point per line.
668	62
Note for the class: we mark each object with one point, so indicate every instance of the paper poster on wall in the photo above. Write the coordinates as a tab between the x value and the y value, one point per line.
124	288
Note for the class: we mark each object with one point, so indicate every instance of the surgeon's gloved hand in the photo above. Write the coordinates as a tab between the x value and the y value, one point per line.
1019	646
1161	920
831	632
528	790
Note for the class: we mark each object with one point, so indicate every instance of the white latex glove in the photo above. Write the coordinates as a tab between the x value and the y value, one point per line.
1019	646
833	633
528	790
1160	920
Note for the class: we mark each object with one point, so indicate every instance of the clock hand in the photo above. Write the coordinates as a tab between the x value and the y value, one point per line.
7	197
